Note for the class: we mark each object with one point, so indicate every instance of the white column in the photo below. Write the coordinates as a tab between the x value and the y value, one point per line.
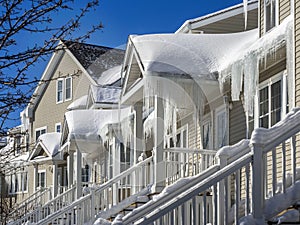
70	165
54	179
159	166
35	174
139	131
78	174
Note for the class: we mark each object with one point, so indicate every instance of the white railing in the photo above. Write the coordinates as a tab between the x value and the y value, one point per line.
38	198
243	181
184	162
105	196
42	211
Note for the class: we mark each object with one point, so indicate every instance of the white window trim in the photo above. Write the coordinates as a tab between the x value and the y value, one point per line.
207	120
65	89
276	16
56	125
62	99
219	110
281	76
42	171
39	129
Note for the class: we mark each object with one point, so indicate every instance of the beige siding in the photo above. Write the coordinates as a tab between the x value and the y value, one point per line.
262	16
193	131
48	112
297	52
284	9
237	123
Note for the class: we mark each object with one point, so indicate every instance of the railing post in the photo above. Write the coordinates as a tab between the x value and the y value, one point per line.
222	160
258	175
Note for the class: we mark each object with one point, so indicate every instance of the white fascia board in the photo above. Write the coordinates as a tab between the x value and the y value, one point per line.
215	17
47	75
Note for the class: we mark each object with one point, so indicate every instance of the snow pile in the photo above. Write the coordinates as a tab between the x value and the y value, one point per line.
50	142
79	103
106	94
87	124
244	66
194	55
101	221
110	76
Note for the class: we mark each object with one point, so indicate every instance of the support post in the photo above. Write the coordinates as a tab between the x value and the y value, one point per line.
36	174
70	165
258	174
54	179
78	174
139	131
159	165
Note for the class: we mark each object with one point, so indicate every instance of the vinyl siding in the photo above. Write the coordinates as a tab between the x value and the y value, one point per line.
284	9
48	112
237	123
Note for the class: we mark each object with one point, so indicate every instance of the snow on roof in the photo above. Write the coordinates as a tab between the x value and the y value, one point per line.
95	59
106	94
87	124
110	76
198	55
79	103
51	142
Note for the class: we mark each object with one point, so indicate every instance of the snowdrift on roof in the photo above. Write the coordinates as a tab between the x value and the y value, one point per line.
198	55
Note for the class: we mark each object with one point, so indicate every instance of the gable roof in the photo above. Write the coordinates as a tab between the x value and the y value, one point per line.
95	59
46	147
228	20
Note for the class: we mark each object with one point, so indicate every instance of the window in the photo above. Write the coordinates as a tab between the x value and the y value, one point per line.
64	89
124	156
68	88
181	139
41	179
58	127
270	14
17	182
221	123
206	136
85	173
270	101
39	132
59	94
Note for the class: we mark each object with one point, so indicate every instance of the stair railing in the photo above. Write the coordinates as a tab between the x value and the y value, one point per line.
184	162
42	211
105	196
245	177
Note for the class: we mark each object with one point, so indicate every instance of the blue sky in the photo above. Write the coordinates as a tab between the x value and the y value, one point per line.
122	18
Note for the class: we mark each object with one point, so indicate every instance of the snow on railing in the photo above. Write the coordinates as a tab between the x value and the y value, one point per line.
42	211
184	162
105	196
38	198
245	179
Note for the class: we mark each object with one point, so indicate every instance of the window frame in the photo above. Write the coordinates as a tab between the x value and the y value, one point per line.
65	89
16	182
39	179
56	126
268	84
207	121
40	129
220	110
268	19
62	91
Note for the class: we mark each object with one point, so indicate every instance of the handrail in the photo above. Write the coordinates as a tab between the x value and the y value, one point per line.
35	214
38	194
210	177
189	150
89	199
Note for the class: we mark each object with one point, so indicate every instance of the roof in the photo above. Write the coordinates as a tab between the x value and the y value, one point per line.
231	19
95	59
196	55
46	147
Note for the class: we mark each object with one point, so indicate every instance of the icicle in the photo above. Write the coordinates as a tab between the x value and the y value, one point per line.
251	73
290	62
236	80
245	3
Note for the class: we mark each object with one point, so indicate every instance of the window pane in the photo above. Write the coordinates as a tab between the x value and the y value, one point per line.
68	88
205	137
59	91
275	102
221	129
